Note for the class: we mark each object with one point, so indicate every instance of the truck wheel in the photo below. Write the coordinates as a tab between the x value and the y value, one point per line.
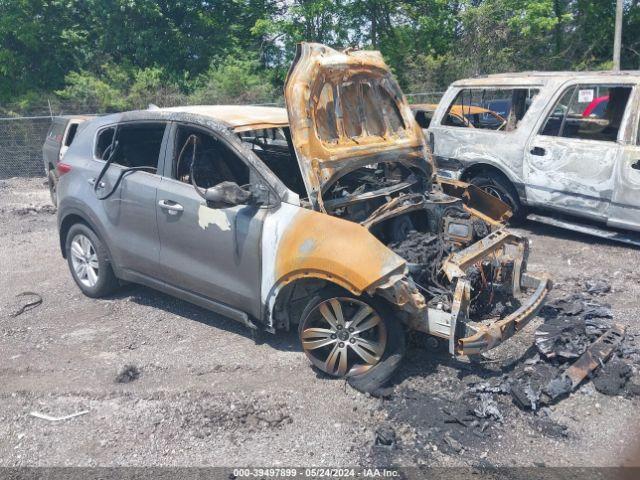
89	262
352	337
496	186
52	180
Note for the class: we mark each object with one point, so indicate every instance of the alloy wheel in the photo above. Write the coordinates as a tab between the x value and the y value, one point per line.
84	259
343	336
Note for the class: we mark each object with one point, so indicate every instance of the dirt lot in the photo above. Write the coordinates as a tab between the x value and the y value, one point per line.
206	394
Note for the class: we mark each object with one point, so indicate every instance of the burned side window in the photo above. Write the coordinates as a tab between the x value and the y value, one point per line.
326	125
423	118
588	112
489	108
104	143
209	160
273	146
137	145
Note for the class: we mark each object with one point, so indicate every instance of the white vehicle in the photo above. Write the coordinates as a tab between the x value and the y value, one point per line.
569	143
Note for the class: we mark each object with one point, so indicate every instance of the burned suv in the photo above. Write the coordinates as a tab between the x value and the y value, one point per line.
325	216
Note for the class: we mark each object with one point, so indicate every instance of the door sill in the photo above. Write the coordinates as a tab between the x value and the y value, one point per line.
629	238
195	298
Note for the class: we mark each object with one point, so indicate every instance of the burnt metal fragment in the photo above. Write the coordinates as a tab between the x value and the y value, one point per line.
385	437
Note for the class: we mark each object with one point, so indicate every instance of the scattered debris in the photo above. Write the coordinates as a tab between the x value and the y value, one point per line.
452	442
33	209
613	377
129	373
566	338
596	355
598	286
27	301
385	437
487	408
49	418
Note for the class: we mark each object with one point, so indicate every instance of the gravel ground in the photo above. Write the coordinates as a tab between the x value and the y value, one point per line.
166	383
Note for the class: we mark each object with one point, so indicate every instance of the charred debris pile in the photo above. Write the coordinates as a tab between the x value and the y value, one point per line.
425	254
573	347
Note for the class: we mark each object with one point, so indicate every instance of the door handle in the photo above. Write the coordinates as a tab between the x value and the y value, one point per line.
92	182
636	165
539	151
172	207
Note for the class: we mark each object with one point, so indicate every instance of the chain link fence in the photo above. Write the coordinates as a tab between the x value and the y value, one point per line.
21	142
22	137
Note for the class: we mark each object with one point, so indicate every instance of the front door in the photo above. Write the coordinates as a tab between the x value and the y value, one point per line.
625	208
213	252
570	161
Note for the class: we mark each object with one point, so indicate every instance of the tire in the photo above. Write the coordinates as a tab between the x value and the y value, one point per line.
52	180
499	187
366	358
87	254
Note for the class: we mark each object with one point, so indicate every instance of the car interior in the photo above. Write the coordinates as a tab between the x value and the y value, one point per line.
138	145
568	118
209	160
273	147
505	108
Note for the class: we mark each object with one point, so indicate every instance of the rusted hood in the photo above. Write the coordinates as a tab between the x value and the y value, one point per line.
346	110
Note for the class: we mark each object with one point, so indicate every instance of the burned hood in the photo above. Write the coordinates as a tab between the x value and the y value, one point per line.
345	111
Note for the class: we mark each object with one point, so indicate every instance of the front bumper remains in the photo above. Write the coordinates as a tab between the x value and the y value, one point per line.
465	337
489	336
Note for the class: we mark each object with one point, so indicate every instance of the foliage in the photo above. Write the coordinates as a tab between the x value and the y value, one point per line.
234	80
114	54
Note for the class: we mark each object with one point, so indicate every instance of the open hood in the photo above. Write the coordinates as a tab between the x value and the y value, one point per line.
345	111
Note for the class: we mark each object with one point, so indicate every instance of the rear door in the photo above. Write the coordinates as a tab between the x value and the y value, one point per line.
570	161
53	143
211	251
130	211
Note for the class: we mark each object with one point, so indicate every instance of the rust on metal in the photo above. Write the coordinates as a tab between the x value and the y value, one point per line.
489	336
594	356
344	252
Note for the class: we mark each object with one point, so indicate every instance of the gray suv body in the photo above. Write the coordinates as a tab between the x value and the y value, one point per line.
279	218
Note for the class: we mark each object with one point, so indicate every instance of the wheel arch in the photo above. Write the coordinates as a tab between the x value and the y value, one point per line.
290	295
72	217
483	167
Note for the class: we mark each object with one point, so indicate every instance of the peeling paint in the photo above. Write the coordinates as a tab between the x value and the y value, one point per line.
211	216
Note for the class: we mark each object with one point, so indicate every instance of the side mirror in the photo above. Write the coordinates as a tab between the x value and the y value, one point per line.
227	194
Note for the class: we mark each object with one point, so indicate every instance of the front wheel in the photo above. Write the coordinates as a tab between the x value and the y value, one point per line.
497	186
352	337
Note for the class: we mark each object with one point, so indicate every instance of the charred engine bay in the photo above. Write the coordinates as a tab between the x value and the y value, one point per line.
358	194
430	228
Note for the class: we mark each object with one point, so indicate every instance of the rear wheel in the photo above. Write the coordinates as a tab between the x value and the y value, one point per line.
499	187
89	262
352	337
